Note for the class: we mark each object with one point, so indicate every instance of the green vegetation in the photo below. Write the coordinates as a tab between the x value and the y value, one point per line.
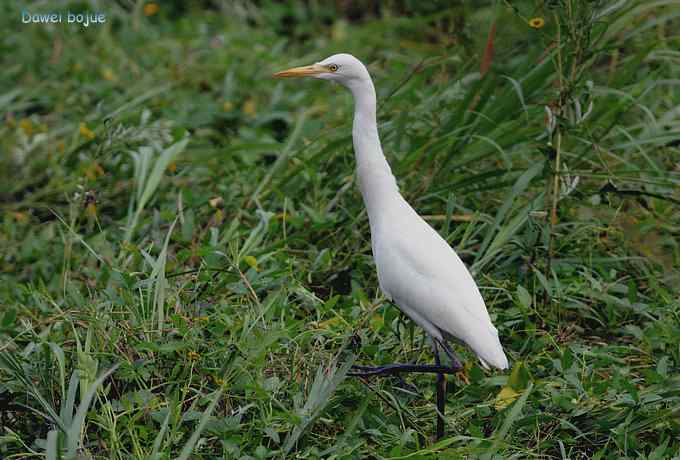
185	265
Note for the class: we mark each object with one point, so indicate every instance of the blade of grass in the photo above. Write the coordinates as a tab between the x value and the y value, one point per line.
11	365
158	281
326	381
191	443
520	186
512	416
155	451
52	445
74	431
151	183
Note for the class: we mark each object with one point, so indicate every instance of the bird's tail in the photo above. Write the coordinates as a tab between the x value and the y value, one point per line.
489	350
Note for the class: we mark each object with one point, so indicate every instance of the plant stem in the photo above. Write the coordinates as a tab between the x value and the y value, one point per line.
556	170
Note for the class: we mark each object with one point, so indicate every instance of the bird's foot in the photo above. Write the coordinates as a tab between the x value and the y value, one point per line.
398	368
463	375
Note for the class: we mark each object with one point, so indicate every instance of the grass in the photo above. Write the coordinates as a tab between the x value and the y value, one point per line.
185	266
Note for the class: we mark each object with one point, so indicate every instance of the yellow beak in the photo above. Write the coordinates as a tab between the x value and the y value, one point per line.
304	71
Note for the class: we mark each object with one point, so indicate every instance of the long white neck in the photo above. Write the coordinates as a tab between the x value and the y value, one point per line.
376	181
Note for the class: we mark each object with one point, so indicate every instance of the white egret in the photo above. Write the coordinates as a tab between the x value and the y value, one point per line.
417	269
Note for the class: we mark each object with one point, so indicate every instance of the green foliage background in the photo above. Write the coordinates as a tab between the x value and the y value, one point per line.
171	214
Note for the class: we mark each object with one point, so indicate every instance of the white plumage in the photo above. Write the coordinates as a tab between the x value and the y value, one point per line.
417	269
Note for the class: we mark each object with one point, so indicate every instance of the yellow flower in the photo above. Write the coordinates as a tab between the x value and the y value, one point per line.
151	8
172	167
250	108
536	23
20	217
192	355
129	247
252	262
108	74
218	218
94	170
86	132
26	126
91	210
227	106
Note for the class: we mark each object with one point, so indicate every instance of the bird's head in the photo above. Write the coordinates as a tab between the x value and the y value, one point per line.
341	68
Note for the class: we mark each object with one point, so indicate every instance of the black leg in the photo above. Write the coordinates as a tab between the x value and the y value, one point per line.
438	368
405	368
441	395
394	369
449	352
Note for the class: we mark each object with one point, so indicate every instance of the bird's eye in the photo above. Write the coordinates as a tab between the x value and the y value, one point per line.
333	67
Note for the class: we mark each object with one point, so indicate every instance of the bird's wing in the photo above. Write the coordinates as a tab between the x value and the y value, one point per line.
406	248
428	281
415	246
